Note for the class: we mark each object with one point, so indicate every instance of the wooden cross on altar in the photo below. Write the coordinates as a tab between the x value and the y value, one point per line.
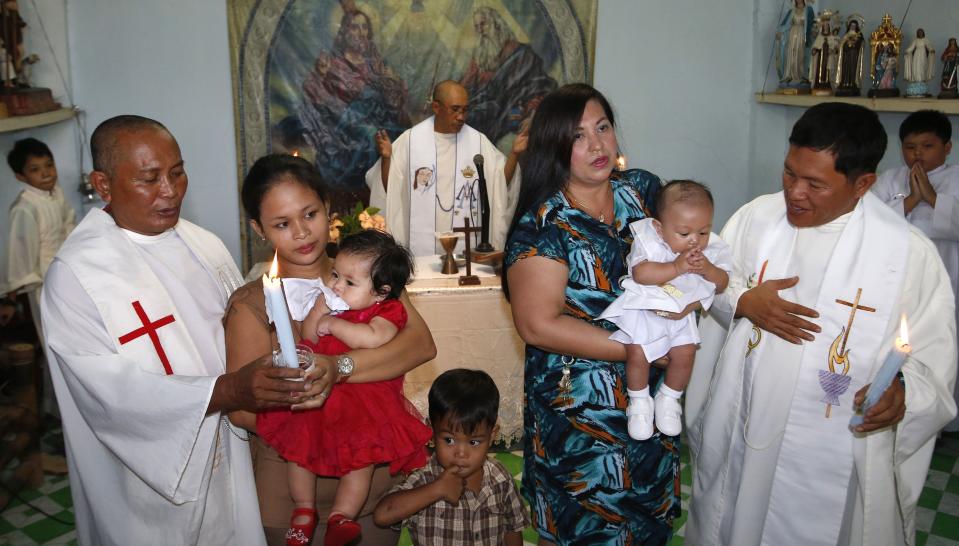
469	278
150	329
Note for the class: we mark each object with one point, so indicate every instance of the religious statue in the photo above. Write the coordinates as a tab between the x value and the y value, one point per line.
950	60
794	38
885	46
920	65
16	94
833	43
851	48
821	56
11	32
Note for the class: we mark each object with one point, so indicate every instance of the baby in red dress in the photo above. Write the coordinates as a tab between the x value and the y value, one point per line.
361	424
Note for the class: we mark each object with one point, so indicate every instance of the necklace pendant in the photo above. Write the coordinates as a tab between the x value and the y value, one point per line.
602	218
565	382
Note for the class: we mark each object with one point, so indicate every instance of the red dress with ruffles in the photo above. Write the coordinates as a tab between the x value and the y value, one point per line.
360	424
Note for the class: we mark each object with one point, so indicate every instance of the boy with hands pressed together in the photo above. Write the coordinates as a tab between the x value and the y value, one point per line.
926	189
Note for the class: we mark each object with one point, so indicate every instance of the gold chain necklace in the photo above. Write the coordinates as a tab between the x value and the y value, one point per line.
588	210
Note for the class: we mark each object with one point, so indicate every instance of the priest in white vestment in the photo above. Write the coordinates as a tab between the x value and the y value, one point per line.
777	378
132	309
427	181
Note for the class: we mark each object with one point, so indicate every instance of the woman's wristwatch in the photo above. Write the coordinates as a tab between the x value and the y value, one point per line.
344	367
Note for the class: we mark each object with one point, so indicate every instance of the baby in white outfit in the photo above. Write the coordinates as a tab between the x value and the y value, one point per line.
675	261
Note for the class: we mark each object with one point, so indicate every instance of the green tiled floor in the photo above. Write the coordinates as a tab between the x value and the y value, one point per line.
937	518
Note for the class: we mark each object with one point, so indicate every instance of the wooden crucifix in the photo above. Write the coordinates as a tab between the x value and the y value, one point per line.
469	278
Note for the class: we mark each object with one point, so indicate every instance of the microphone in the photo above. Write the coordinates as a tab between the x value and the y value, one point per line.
484	245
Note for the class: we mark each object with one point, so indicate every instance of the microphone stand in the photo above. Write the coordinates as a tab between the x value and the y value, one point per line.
484	245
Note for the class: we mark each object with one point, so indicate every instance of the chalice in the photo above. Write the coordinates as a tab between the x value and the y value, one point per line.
448	240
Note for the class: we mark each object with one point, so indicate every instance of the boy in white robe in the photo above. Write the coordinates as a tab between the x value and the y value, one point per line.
770	400
40	220
132	309
926	189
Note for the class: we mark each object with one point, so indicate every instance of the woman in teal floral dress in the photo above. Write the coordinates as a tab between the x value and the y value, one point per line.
586	481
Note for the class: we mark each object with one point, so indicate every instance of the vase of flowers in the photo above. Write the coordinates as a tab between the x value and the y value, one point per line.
358	219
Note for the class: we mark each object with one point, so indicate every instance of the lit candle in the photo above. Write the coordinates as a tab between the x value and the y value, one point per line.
296	153
887	373
273	289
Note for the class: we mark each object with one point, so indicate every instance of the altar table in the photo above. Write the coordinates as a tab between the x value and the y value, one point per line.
472	327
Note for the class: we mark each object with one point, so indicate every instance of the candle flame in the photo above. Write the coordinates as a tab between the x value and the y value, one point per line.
274	268
903	340
296	153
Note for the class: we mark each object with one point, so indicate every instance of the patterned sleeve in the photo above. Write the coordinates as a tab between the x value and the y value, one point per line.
647	184
393	311
536	235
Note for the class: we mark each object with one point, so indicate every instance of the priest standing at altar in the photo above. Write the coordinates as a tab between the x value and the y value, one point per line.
823	271
427	182
131	309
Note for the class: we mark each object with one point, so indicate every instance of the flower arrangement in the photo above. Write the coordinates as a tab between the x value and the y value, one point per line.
357	220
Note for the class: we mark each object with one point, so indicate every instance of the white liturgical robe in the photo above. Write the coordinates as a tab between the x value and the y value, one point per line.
395	202
771	466
940	224
135	342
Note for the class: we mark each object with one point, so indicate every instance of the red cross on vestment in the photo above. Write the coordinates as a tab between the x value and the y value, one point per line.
150	329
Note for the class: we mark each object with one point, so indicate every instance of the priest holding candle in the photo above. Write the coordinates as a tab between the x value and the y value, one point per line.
823	272
132	309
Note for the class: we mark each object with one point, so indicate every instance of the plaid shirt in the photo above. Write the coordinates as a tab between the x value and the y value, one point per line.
478	519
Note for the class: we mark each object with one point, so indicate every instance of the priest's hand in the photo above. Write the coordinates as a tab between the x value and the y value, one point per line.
889	410
256	386
764	308
318	383
384	146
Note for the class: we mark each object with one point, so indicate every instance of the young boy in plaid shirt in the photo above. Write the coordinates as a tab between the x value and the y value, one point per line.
461	497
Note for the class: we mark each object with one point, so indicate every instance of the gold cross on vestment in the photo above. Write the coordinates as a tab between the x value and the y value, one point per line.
841	357
852	315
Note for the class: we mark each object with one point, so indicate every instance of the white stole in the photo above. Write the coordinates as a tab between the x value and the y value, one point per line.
816	450
464	200
136	309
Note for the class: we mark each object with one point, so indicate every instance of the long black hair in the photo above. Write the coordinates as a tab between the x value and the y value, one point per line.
545	163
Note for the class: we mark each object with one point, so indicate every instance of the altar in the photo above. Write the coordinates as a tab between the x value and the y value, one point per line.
472	327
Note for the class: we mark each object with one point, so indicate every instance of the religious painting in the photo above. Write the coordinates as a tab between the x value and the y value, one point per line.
319	78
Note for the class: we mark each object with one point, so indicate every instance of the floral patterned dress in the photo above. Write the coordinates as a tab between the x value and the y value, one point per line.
586	480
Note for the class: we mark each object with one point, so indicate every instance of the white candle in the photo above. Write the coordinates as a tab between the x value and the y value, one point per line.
281	319
887	373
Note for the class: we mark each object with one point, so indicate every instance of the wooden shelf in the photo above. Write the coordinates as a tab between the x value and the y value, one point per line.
18	123
950	107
